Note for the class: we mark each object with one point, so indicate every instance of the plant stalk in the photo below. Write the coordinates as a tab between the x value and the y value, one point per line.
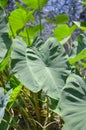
40	22
37	107
47	116
25	115
28	38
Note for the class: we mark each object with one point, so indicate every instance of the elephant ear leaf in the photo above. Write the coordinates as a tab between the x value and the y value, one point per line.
5	41
72	104
41	66
3	102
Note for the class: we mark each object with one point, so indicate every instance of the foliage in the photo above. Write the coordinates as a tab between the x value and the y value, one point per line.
63	31
73	103
59	19
3	102
3	3
18	19
34	4
40	61
40	82
81	25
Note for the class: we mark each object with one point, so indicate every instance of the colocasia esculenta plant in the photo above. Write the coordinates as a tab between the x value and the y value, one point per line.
42	84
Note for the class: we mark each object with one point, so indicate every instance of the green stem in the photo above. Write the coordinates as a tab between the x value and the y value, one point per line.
40	18
25	116
28	98
25	120
26	105
28	38
13	126
18	127
47	107
34	103
2	80
12	31
47	116
37	106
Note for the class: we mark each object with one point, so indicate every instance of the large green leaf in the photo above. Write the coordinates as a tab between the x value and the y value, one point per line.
5	49
18	19
5	42
3	102
34	4
43	66
72	104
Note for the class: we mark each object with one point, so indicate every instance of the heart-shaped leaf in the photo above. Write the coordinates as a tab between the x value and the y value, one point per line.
18	19
43	66
72	104
5	42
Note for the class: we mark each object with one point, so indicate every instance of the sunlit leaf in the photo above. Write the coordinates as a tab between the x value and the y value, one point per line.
34	4
79	25
84	3
63	31
18	19
3	3
14	95
78	57
30	32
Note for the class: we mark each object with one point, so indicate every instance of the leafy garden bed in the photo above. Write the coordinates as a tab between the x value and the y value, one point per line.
42	84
